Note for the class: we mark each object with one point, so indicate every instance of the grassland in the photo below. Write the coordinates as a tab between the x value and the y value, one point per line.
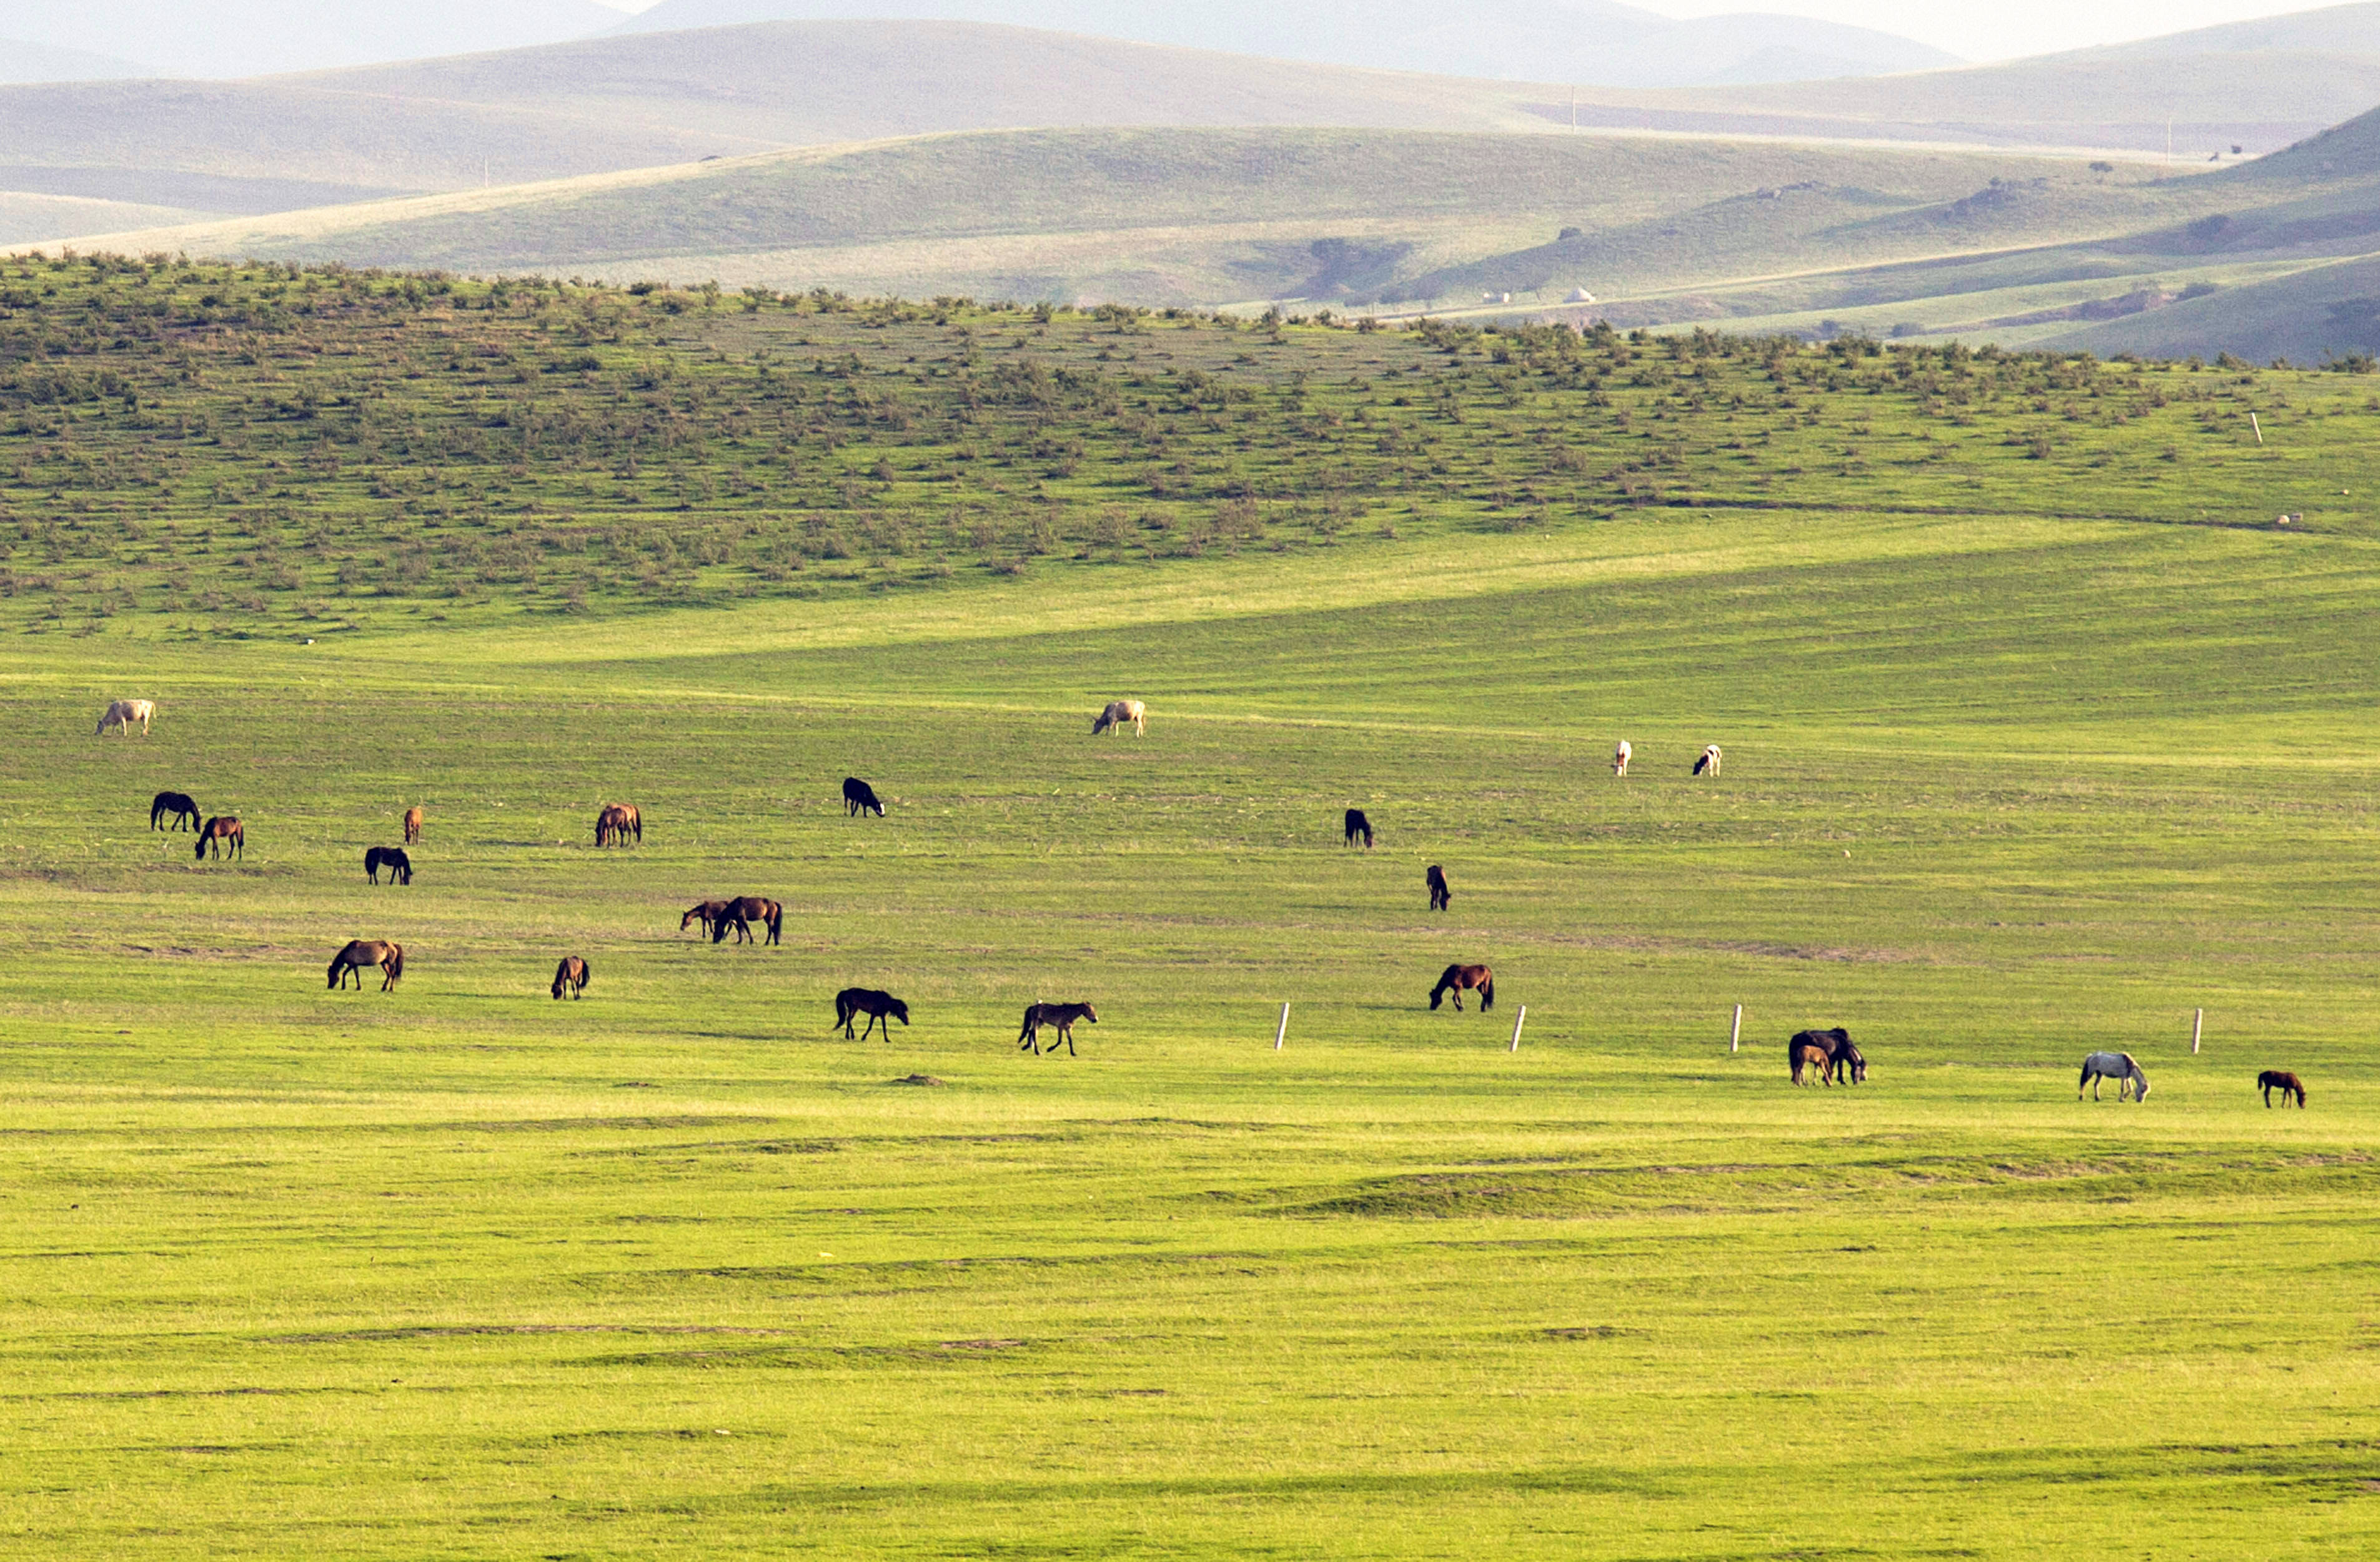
2022	757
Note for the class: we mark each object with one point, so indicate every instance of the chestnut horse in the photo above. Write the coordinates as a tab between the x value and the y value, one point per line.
362	952
1062	1016
706	913
1440	897
617	823
413	825
215	832
1810	1055
2273	1079
178	804
738	915
853	1001
1463	978
571	975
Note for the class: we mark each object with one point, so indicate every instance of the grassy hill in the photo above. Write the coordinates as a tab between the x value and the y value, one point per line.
2038	737
1179	217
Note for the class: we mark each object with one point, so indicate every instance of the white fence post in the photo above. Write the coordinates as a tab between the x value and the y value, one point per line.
1282	1034
1735	1031
2197	1028
1517	1021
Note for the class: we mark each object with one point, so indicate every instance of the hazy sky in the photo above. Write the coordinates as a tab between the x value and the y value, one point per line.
1976	29
1988	30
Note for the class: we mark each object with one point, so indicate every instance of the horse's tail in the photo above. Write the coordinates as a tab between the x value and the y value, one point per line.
396	961
1488	994
843	1008
1026	1030
776	920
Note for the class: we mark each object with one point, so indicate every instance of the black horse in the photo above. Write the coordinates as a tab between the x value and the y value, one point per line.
1440	897
399	866
859	797
853	1001
178	804
1837	1045
1358	825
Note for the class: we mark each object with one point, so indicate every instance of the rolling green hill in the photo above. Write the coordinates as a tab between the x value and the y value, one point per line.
2040	737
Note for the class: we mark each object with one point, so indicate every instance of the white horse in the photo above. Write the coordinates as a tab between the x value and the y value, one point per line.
2116	1066
122	713
1619	758
1120	711
1710	762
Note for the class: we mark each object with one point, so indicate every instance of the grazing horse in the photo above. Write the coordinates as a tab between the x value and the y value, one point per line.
178	804
1462	979
413	825
1062	1016
399	866
2116	1066
122	713
1120	711
1440	897
571	975
738	915
707	913
1358	825
215	832
853	1001
1837	1045
351	960
2288	1084
859	797
1621	756
617	823
1810	1055
1709	762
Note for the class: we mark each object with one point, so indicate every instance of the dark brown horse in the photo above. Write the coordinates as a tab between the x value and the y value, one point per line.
571	976
413	825
220	832
1809	1054
1062	1016
351	960
2288	1084
393	858
739	914
1837	1045
178	804
617	823
706	913
859	797
1463	978
853	1001
1440	897
1358	825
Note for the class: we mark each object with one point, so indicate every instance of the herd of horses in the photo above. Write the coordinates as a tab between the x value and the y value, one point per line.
1827	1056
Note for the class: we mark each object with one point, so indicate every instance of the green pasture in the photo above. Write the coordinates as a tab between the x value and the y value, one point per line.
461	1272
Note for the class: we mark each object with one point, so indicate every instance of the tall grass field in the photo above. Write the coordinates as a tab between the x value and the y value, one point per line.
459	1271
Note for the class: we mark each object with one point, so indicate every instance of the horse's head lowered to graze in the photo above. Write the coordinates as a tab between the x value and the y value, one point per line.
1120	711
1459	980
1357	825
859	797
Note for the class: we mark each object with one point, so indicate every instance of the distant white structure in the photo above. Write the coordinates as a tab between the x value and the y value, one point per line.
1579	295
1495	297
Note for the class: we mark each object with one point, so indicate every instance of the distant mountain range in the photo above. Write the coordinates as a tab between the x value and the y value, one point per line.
41	39
1591	43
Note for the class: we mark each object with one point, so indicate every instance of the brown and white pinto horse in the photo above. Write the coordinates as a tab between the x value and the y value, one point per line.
1120	711
1465	979
739	914
2280	1079
413	825
617	823
1621	756
1062	1016
1708	763
217	832
571	976
362	952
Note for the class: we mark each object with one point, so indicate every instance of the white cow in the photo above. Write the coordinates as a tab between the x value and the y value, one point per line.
1710	762
1120	711
1619	758
122	713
